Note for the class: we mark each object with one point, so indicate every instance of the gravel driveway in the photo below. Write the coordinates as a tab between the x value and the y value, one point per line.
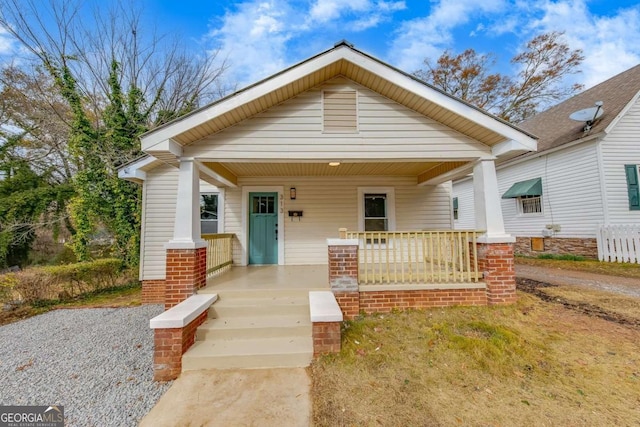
619	285
97	363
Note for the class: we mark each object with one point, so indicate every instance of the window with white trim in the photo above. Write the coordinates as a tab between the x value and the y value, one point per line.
376	209
209	213
455	208
530	205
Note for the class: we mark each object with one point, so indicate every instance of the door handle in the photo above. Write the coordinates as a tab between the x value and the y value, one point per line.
276	230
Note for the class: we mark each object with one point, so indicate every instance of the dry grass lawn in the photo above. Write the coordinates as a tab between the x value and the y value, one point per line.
126	296
533	364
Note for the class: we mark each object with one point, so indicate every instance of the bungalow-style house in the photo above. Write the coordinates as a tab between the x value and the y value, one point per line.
331	174
582	180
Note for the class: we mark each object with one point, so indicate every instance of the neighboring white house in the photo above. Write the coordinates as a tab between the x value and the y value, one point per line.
339	140
581	178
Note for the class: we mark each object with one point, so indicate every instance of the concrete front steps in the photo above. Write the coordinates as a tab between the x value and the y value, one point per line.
254	329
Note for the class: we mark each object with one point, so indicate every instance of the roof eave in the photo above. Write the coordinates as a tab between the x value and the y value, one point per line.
153	142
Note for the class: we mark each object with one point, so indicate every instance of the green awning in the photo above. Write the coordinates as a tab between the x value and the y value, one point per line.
530	187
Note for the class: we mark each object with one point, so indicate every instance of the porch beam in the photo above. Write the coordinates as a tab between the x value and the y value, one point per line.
186	229
488	207
219	173
435	174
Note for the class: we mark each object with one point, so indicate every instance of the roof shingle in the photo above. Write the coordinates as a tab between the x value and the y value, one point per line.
554	127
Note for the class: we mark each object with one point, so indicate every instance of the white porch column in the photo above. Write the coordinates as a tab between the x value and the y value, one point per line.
487	204
186	229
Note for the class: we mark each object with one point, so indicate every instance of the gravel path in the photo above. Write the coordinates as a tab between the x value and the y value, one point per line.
97	363
620	285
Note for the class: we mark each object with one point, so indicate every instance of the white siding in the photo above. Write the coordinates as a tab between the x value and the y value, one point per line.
159	198
330	203
571	196
463	190
294	130
571	193
159	209
621	147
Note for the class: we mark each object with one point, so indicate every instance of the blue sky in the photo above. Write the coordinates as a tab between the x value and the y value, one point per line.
260	37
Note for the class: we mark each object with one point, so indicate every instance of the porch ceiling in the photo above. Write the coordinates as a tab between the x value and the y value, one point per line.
421	170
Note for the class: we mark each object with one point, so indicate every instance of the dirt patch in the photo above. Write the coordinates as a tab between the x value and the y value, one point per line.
538	289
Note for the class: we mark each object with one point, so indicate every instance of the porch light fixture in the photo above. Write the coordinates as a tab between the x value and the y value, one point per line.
292	193
334	164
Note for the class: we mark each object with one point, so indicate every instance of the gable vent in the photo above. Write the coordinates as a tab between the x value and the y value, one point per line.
340	111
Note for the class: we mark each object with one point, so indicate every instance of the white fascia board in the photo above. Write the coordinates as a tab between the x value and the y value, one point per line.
133	172
535	155
511	146
439	98
166	146
190	121
622	113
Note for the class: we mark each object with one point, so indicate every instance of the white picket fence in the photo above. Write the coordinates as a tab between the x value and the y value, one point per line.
619	243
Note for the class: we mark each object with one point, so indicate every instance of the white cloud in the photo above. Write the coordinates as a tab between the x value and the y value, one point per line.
610	43
253	39
259	37
7	43
326	10
428	36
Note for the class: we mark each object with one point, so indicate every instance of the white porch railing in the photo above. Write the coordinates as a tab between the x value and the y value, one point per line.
619	243
219	253
416	256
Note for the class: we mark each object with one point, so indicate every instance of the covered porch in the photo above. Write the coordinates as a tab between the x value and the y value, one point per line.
341	140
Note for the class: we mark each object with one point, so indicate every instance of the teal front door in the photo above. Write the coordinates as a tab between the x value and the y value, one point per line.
263	228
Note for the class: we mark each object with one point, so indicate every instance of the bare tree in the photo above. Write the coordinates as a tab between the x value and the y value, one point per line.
59	33
538	81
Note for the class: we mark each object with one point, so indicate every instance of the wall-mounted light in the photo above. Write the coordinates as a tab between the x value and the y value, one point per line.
292	193
334	164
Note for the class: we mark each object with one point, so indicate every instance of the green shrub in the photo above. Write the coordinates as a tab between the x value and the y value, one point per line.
562	257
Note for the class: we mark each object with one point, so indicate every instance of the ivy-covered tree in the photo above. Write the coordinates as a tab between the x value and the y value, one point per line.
28	201
116	80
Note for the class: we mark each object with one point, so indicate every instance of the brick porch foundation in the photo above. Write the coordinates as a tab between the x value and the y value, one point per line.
387	300
153	291
495	263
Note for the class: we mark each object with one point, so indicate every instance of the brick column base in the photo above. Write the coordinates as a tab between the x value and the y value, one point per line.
343	275
496	262
326	338
169	346
186	273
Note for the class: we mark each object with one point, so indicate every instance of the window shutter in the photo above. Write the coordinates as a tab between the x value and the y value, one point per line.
633	189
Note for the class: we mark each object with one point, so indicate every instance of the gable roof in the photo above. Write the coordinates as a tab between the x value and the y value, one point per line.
165	142
554	128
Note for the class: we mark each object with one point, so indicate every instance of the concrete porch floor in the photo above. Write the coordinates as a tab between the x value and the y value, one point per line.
268	277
